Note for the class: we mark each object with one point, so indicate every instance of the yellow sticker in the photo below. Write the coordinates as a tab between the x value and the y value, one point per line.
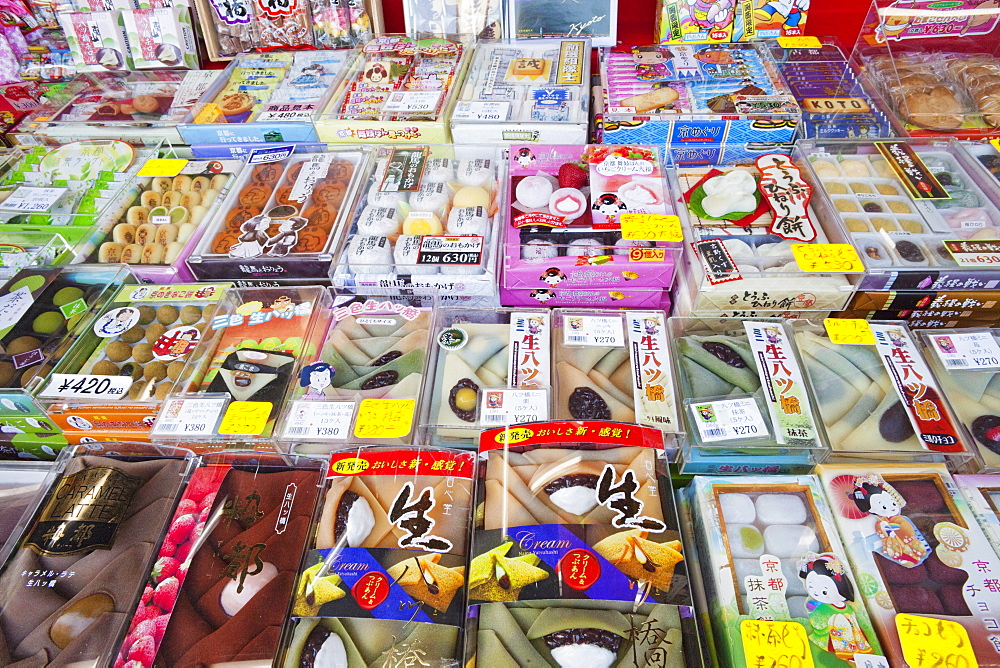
162	167
827	257
384	418
852	331
800	42
995	143
651	227
927	642
767	643
245	418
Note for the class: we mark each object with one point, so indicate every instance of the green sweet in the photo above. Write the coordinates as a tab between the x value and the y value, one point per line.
48	322
67	295
32	282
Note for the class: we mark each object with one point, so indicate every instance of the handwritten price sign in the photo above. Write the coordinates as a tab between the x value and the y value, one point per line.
827	257
800	42
384	418
651	227
245	418
768	644
852	331
928	642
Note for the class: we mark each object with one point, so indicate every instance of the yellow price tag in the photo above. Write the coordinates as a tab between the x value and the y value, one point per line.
995	143
245	418
930	642
384	418
800	42
827	257
162	167
767	643
852	331
651	227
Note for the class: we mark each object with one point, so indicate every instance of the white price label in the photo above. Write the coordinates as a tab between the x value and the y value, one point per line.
728	420
968	350
319	420
482	111
189	417
412	101
621	110
500	408
871	661
87	386
31	199
159	220
592	330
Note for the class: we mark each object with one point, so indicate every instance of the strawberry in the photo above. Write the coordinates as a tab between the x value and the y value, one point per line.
119	663
143	651
135	664
572	175
203	515
181	528
147	594
183	551
164	568
167	548
144	629
200	485
166	593
144	612
159	626
196	532
207	501
186	507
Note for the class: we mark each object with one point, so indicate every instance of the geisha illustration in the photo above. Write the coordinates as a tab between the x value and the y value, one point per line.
902	542
830	607
316	378
652	63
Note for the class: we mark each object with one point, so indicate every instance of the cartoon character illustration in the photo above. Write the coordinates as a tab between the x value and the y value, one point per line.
184	342
652	63
707	413
894	25
116	322
945	344
772	335
609	204
253	237
902	542
288	235
316	378
535	325
553	276
282	304
494	400
830	607
896	337
651	325
376	73
524	157
543	295
708	14
719	56
791	13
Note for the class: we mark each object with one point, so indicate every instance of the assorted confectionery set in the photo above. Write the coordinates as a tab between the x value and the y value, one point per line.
488	339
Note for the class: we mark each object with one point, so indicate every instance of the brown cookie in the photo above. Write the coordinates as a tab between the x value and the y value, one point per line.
329	194
266	174
239	216
232	104
147	104
340	171
223	241
254	196
321	217
311	240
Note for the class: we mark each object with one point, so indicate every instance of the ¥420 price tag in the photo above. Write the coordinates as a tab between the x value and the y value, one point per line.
67	385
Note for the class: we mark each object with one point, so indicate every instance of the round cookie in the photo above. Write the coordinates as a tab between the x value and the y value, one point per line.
224	241
311	240
7	372
146	314
266	174
147	104
254	196
190	314
154	331
133	335
23	344
340	171
155	371
167	314
322	217
118	351
329	194
105	368
142	353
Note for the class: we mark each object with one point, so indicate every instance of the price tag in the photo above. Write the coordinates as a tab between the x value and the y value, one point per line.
651	227
450	250
995	143
319	420
412	101
482	111
928	642
851	331
32	199
591	330
767	643
189	417
501	408
968	350
87	386
245	418
871	661
800	42
384	418
975	253
729	419
159	220
827	257
162	167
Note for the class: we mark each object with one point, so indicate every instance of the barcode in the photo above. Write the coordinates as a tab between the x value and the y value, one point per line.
714	433
495	417
297	431
578	338
169	426
956	361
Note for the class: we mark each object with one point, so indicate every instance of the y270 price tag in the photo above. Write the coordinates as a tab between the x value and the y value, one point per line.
319	420
775	644
189	417
827	257
65	385
928	642
850	331
501	408
967	350
731	419
591	330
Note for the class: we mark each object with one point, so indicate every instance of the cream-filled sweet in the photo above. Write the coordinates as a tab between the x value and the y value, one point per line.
569	203
533	192
235	595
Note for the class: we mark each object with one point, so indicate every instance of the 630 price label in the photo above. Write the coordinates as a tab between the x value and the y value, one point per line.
87	386
768	644
450	250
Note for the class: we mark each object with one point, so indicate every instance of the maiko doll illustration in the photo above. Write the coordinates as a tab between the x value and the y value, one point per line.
830	607
902	542
316	378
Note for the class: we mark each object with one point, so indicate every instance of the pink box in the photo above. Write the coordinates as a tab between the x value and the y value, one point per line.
564	245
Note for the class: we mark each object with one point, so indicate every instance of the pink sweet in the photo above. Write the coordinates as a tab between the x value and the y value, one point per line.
569	203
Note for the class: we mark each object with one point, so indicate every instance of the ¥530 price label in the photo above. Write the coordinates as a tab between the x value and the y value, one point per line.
768	644
851	331
68	385
827	257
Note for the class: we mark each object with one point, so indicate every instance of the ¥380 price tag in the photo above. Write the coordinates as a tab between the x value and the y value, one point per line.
384	418
852	331
929	642
827	257
768	644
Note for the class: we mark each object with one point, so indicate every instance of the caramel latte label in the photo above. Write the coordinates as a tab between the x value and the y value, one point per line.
84	512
